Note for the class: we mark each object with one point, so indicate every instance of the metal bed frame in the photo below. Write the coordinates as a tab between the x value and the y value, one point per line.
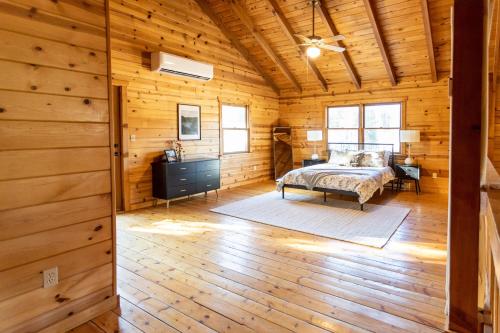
346	147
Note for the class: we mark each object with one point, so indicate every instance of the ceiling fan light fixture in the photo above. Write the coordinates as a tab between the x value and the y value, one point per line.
313	51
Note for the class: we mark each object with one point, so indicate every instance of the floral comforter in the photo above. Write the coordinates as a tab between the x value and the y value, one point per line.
364	181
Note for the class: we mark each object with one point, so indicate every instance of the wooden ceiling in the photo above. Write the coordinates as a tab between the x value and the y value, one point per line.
386	40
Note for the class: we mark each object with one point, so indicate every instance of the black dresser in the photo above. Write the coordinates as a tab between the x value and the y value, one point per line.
179	179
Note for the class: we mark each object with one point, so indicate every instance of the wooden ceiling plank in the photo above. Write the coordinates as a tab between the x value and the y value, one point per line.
288	30
428	37
327	20
380	41
249	24
205	7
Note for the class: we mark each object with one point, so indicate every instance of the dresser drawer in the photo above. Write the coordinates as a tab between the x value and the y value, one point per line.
181	179
181	168
206	176
208	165
208	185
180	191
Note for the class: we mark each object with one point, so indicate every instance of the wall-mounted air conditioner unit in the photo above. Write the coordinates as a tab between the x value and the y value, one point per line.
179	66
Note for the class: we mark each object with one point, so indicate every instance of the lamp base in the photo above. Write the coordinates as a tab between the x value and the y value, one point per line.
314	157
409	161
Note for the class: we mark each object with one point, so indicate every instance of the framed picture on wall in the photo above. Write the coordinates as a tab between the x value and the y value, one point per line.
189	121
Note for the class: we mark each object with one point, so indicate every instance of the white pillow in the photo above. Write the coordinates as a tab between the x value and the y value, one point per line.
387	157
374	159
344	158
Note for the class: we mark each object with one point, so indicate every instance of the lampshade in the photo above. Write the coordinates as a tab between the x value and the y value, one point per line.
314	135
409	136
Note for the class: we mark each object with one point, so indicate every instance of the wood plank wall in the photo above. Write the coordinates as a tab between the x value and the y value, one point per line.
55	183
142	26
427	109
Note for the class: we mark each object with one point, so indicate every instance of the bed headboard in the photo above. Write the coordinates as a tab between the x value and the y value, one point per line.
364	146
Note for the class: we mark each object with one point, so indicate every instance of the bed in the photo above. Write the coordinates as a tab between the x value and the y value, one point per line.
359	180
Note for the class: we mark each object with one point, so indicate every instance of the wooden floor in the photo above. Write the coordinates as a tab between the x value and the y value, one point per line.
185	269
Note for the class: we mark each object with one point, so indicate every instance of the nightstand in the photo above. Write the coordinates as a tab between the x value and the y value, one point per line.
408	172
306	163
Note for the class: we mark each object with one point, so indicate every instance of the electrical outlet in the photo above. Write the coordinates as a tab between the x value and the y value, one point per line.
50	277
434	175
132	138
254	168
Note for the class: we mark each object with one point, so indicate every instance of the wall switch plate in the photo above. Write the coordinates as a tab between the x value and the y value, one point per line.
132	138
50	277
254	168
434	175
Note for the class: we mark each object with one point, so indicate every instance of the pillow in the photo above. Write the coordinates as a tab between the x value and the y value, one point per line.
374	159
387	157
344	158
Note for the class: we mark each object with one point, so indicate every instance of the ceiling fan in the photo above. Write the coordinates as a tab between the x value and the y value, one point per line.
315	43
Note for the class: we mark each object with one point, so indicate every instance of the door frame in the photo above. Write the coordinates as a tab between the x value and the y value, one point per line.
124	154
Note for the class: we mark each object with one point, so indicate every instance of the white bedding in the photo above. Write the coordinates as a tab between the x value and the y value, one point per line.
364	181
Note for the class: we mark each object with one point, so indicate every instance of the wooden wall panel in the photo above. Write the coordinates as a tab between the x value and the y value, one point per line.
427	109
140	27
55	174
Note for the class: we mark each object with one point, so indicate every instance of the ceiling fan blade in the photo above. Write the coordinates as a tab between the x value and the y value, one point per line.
304	38
335	38
332	48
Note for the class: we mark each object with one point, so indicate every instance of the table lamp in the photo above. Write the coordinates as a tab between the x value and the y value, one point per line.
409	136
314	136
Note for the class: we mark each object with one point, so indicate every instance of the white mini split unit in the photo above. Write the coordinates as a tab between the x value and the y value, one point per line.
179	66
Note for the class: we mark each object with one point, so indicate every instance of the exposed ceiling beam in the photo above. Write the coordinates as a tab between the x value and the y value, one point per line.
236	43
288	30
248	22
380	41
327	20
428	37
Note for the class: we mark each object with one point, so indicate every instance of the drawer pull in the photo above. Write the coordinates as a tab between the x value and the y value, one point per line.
183	190
209	185
182	168
182	179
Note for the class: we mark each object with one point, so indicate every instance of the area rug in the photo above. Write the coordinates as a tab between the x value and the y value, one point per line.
337	219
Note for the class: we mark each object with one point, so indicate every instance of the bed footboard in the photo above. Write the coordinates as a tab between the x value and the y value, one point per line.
324	190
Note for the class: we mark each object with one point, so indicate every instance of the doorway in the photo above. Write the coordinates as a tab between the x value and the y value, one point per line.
119	149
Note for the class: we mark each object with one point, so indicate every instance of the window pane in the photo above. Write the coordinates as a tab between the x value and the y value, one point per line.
383	115
234	116
383	136
342	136
343	117
235	141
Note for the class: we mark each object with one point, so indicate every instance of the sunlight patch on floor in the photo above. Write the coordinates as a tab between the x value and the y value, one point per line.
184	228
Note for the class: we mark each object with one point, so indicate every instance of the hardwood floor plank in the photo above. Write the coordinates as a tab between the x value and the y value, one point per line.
110	322
191	270
133	286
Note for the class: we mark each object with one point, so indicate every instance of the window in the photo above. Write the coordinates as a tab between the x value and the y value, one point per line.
235	129
368	123
343	124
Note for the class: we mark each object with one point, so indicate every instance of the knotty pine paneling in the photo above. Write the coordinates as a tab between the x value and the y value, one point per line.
140	27
427	109
55	174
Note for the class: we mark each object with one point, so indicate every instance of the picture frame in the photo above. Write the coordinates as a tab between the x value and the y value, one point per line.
189	122
171	155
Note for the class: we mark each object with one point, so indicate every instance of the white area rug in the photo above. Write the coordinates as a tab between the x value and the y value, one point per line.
307	213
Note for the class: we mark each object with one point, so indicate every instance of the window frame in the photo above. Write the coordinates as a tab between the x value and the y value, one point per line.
247	128
360	121
362	128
